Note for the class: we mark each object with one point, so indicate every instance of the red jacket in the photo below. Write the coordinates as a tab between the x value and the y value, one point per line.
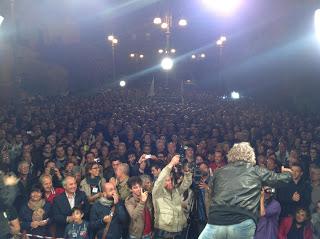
55	192
285	227
214	166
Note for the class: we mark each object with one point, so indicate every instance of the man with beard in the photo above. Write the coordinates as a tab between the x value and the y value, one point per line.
169	217
108	216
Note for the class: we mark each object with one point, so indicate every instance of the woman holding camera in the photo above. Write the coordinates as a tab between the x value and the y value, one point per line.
270	209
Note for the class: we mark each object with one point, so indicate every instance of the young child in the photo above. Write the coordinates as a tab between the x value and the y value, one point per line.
78	228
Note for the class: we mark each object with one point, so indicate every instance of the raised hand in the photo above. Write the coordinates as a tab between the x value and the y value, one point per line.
296	197
144	196
115	198
285	170
107	219
175	160
142	158
203	185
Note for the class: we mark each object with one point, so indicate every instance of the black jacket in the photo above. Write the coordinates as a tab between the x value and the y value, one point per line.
120	218
285	193
61	209
25	216
237	188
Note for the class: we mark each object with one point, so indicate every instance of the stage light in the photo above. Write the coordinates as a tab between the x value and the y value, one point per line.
132	55
173	51
115	41
183	22
141	56
193	57
110	38
219	42
223	38
235	95
203	55
160	51
225	7
224	97
122	83
157	21
167	63
164	25
317	23
1	19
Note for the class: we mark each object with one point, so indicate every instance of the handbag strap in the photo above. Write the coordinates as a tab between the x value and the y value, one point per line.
105	232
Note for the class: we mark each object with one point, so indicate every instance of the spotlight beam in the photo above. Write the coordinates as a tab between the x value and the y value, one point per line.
317	23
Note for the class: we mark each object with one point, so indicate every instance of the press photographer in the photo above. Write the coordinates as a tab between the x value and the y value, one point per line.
202	197
270	209
169	217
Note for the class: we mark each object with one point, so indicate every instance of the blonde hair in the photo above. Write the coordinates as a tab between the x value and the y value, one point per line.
43	176
242	152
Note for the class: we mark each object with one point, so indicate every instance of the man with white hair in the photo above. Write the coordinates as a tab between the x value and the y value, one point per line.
233	211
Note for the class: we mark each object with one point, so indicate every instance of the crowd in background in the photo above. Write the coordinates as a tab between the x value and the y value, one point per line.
87	163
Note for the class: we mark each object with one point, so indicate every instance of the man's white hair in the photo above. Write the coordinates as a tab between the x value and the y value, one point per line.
242	152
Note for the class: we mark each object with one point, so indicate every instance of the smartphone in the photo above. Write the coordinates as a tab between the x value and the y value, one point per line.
148	156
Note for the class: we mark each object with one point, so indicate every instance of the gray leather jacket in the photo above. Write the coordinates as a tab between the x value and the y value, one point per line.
237	188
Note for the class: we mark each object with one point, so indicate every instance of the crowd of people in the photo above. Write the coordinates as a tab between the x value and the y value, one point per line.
121	165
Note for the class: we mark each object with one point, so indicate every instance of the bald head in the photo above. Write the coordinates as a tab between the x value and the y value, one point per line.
109	190
108	186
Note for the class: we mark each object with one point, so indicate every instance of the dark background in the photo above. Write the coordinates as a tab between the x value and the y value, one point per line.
271	52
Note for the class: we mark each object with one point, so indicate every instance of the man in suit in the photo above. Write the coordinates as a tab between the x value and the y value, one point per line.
63	204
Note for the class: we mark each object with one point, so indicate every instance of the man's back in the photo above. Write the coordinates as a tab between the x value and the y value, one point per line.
237	188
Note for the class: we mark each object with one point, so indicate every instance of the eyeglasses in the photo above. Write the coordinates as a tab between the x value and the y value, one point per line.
95	168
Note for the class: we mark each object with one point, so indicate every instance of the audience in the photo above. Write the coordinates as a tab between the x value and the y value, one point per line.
73	145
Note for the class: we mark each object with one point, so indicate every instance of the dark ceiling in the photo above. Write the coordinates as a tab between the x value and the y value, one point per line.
269	41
